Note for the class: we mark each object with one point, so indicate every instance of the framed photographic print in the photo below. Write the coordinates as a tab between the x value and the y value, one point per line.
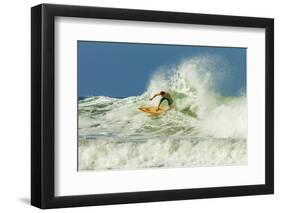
139	106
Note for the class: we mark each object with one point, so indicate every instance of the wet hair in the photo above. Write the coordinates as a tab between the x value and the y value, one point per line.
162	93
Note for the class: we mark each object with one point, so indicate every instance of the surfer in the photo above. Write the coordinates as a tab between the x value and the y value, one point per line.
165	96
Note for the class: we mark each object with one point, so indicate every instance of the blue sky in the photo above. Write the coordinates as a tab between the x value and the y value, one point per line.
124	69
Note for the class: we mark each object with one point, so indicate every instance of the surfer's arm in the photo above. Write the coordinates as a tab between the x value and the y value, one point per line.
154	96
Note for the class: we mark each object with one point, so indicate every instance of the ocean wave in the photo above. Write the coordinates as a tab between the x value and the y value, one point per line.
196	106
200	112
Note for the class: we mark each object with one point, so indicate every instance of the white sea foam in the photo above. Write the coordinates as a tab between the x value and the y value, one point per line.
117	153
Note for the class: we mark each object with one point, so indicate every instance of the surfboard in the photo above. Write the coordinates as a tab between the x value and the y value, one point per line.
152	110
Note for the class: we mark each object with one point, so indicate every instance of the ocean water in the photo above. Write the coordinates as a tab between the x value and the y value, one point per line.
204	128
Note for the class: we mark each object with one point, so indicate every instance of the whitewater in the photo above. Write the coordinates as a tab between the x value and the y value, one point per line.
204	128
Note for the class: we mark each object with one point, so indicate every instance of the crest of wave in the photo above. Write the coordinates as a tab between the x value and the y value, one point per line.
191	82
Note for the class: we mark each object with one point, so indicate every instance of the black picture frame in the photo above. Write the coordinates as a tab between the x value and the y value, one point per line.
43	102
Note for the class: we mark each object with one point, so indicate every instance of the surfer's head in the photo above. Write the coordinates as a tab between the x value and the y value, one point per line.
162	93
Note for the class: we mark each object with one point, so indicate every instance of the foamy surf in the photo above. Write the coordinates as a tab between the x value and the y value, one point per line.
204	129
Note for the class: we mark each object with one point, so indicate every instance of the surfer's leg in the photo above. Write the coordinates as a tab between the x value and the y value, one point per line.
170	102
160	102
162	99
